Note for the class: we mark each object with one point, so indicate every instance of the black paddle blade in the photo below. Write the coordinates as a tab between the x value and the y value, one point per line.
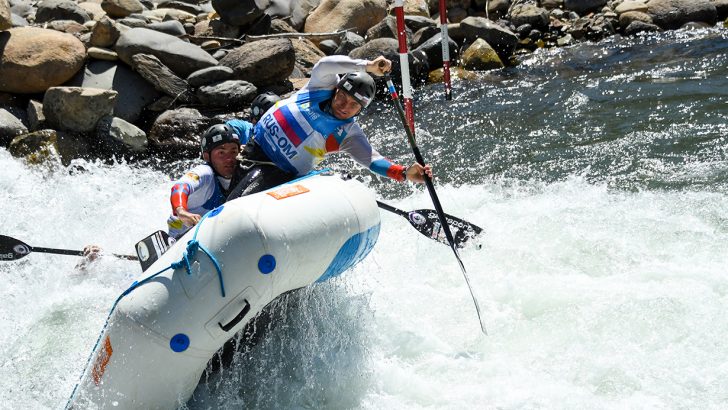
152	247
12	249
428	224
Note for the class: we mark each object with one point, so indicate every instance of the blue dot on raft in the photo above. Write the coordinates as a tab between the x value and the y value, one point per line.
216	211
266	264
179	342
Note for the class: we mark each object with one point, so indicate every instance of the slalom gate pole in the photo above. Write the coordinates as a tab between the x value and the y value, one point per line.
445	50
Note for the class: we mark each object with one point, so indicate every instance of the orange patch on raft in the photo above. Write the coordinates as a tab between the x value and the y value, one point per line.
101	361
288	191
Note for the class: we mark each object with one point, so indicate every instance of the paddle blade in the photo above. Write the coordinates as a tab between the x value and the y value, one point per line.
428	224
152	247
12	249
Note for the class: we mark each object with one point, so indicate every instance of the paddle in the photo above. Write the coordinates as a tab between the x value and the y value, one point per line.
12	249
427	222
433	195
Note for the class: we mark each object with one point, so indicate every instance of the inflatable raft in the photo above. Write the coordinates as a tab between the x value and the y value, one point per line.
164	329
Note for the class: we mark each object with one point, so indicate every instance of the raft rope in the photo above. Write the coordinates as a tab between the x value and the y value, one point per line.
189	253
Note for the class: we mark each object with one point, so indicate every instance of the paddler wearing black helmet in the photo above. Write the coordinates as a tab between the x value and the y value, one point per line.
297	133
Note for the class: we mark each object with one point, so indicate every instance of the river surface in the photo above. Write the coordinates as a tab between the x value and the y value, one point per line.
600	175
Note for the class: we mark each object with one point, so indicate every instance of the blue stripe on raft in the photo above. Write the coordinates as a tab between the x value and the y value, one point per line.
352	251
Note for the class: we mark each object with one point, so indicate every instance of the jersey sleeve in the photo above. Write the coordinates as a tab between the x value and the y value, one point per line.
357	145
244	129
187	184
325	74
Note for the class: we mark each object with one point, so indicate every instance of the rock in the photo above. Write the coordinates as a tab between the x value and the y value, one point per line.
432	48
626	18
121	8
437	76
721	7
6	20
98	53
416	23
386	28
77	108
216	28
230	94
537	17
237	12
10	127
36	118
328	47
181	57
423	35
171	27
170	14
67	26
163	79
416	8
34	59
105	33
389	48
671	14
640	26
583	7
49	10
180	5
176	133
500	38
118	137
631	5
18	21
210	75
333	15
36	148
50	146
262	62
134	93
307	55
549	4
481	56
349	42
456	14
93	9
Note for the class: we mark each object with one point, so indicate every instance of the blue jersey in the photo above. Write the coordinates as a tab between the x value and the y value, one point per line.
296	134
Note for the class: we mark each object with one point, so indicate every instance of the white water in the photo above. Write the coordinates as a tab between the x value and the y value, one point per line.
593	298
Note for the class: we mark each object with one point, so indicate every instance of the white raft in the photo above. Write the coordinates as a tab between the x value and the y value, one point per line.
162	333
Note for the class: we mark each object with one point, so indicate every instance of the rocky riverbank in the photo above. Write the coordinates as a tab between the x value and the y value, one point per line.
141	78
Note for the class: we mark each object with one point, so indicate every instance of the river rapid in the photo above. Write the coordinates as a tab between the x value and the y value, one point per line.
599	173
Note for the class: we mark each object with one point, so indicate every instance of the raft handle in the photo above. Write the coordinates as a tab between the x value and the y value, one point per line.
237	318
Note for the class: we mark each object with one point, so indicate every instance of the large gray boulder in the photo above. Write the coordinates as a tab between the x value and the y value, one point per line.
10	127
76	108
357	15
118	137
671	14
134	93
176	133
50	10
34	59
232	94
262	62
181	57
503	40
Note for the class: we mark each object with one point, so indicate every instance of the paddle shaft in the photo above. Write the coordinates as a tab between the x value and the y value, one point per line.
75	252
433	195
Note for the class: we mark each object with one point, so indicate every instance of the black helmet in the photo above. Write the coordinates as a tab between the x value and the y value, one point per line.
262	103
217	135
359	86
